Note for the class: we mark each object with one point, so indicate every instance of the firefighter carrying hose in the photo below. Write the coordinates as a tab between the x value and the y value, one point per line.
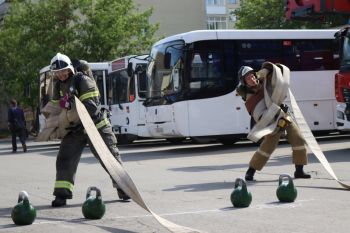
251	90
70	83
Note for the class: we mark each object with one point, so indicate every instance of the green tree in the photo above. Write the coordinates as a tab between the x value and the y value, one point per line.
270	14
95	30
29	36
114	28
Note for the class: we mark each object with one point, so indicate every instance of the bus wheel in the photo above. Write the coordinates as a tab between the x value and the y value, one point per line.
124	139
175	140
228	141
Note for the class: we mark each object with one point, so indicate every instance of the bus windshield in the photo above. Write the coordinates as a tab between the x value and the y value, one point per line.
165	69
197	70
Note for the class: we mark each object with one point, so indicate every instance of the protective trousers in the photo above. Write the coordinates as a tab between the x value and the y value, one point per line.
69	154
21	134
270	142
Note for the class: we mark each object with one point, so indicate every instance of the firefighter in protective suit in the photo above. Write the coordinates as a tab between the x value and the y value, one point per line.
70	83
251	90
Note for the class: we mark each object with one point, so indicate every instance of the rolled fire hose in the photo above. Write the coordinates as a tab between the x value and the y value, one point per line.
272	102
118	173
267	123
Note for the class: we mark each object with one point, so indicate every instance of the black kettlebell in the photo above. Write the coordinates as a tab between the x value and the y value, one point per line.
23	213
93	207
240	197
286	192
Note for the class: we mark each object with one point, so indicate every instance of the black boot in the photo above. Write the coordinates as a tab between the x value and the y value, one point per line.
249	175
299	172
24	147
122	195
58	202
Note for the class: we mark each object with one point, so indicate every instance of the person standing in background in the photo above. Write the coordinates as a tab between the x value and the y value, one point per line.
17	125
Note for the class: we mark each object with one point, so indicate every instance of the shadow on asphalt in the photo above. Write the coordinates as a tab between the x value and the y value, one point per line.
81	221
6	213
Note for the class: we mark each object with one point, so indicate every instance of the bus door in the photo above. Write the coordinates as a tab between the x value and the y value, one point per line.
128	118
141	85
159	116
164	91
118	100
100	77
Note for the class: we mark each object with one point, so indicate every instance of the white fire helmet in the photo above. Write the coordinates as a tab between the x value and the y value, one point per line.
243	71
61	62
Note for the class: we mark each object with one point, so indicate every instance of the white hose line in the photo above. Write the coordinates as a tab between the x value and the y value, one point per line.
118	173
310	139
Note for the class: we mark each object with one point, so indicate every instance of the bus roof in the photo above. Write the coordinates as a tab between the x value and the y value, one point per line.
98	65
122	63
199	35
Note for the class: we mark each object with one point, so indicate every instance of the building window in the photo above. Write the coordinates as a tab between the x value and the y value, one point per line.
232	1
215	2
217	23
232	15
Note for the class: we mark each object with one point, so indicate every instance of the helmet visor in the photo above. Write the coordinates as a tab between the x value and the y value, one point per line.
58	65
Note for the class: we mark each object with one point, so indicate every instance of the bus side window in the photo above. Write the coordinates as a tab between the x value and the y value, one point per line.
142	83
255	52
317	55
214	66
198	66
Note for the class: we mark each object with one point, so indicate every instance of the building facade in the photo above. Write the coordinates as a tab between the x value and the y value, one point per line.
175	17
221	13
186	15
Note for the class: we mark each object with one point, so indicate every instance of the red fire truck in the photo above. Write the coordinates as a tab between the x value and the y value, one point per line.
342	80
309	8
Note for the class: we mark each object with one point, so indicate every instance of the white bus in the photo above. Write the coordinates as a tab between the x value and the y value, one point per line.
126	93
46	85
193	76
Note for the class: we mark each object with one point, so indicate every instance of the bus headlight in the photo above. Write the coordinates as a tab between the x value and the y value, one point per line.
340	115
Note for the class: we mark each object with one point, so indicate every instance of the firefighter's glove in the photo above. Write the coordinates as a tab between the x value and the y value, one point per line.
65	102
284	107
282	123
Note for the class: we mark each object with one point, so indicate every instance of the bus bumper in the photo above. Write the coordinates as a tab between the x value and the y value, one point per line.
342	117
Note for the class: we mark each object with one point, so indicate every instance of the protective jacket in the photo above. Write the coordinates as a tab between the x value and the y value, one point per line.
265	107
85	88
264	103
75	139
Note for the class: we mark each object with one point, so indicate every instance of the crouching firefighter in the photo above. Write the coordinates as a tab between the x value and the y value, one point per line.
70	83
274	120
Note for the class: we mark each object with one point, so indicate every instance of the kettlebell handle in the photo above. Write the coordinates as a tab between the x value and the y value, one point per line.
93	188
240	182
284	177
23	195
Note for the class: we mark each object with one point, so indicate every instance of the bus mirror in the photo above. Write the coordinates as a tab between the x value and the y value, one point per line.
167	58
130	71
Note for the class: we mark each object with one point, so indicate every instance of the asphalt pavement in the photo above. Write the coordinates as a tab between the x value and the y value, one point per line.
188	184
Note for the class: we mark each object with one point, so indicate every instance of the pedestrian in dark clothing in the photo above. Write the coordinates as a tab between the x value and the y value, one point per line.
17	125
